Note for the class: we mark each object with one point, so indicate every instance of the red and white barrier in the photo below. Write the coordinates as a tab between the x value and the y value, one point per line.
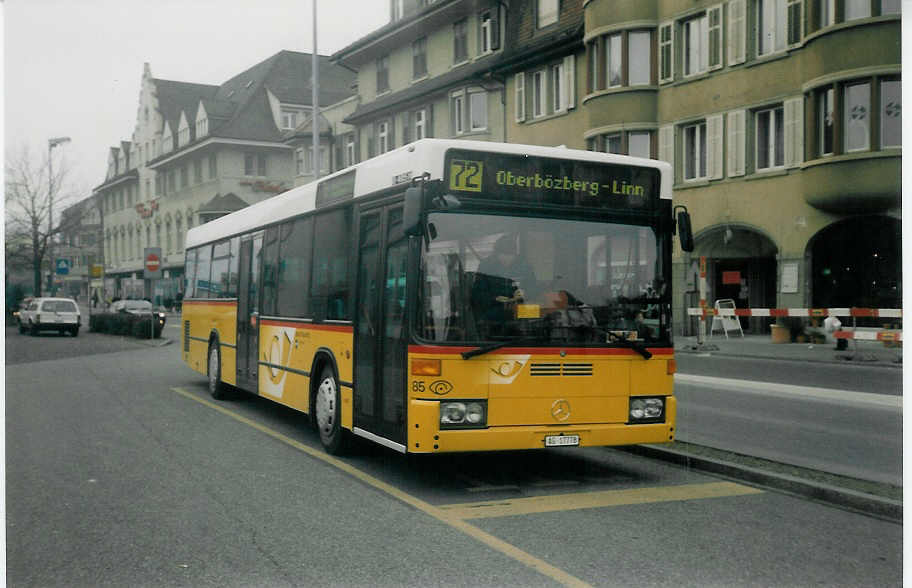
797	312
869	335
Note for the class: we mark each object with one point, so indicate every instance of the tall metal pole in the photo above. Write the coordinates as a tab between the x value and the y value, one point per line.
315	98
49	250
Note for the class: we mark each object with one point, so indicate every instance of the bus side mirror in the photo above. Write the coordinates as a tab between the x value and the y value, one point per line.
685	233
411	213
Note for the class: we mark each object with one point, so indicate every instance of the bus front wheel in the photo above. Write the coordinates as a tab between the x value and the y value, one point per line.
214	372
328	413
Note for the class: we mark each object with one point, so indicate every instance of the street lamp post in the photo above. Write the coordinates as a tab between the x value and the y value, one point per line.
50	243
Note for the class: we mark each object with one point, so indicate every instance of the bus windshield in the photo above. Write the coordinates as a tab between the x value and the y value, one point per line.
489	279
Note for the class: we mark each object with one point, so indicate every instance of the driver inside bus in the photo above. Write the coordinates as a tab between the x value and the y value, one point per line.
502	281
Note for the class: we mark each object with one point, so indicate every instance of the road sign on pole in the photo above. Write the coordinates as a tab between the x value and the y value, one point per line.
63	266
153	263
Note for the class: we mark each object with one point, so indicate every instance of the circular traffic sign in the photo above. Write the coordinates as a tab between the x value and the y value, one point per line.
152	262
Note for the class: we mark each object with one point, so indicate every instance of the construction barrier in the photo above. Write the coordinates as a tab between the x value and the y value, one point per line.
797	312
887	336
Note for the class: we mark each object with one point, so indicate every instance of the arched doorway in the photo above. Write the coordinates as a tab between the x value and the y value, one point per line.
741	266
857	262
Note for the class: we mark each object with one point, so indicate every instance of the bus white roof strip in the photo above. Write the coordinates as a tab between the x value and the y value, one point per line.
418	158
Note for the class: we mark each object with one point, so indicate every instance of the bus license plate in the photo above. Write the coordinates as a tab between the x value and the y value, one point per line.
561	440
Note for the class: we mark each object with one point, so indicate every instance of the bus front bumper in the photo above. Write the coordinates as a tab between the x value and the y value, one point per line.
425	436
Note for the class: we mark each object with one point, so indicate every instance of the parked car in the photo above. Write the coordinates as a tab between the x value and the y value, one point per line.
141	307
45	314
23	304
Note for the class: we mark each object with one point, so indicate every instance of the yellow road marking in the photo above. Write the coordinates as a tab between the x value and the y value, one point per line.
606	498
456	522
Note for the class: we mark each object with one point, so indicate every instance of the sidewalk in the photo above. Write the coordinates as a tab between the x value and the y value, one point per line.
867	353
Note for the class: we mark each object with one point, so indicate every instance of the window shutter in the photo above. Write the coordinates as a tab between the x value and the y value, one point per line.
714	147
570	80
666	52
406	127
495	28
429	123
736	143
794	132
520	95
737	32
667	145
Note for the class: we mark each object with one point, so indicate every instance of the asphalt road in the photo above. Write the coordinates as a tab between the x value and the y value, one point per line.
121	471
841	419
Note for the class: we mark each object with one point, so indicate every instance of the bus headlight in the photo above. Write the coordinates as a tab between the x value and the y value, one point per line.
647	409
469	414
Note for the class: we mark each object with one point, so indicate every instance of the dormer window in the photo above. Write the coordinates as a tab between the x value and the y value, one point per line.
183	131
547	12
202	127
289	119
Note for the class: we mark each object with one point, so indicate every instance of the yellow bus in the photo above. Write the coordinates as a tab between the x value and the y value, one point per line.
450	296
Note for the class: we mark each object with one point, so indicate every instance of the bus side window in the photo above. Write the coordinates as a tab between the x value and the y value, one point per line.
331	281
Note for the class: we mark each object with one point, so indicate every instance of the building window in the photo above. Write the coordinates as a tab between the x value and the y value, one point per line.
202	128
350	149
558	102
172	181
826	117
489	32
308	160
633	143
183	176
519	82
614	60
212	166
198	171
771	26
696	39
383	74
547	12
639	53
420	124
639	144
890	6
419	58
855	9
695	151
460	41
770	135
383	138
827	13
183	136
857	117
457	108
289	119
592	53
158	185
538	94
299	160
478	111
890	113
249	164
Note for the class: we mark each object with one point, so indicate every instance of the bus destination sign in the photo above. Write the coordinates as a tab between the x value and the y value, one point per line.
548	181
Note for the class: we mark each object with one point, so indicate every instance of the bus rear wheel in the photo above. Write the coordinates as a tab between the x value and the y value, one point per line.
328	414
214	372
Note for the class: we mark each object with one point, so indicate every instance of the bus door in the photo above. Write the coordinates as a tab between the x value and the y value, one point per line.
380	339
248	323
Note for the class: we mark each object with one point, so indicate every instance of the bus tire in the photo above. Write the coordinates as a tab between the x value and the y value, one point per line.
328	413
216	387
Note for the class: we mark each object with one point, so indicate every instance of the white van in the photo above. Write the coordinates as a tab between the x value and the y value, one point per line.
60	314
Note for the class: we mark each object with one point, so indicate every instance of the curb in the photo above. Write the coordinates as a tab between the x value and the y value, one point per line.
869	504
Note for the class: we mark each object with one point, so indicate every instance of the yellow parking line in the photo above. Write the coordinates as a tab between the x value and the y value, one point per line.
441	515
579	500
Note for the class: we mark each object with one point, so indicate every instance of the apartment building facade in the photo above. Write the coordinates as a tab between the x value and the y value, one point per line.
781	118
200	151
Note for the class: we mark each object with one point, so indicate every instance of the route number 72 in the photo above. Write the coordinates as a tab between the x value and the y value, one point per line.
465	175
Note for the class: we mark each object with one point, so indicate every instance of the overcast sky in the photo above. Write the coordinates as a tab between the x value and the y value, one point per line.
73	67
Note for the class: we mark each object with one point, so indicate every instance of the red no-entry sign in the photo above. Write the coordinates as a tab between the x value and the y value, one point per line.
152	263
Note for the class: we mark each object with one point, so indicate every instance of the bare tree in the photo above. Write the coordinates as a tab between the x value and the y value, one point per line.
35	189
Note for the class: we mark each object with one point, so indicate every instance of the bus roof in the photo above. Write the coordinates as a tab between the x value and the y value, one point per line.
395	167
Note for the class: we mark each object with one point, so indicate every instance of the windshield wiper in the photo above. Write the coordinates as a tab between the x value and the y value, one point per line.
623	340
495	346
